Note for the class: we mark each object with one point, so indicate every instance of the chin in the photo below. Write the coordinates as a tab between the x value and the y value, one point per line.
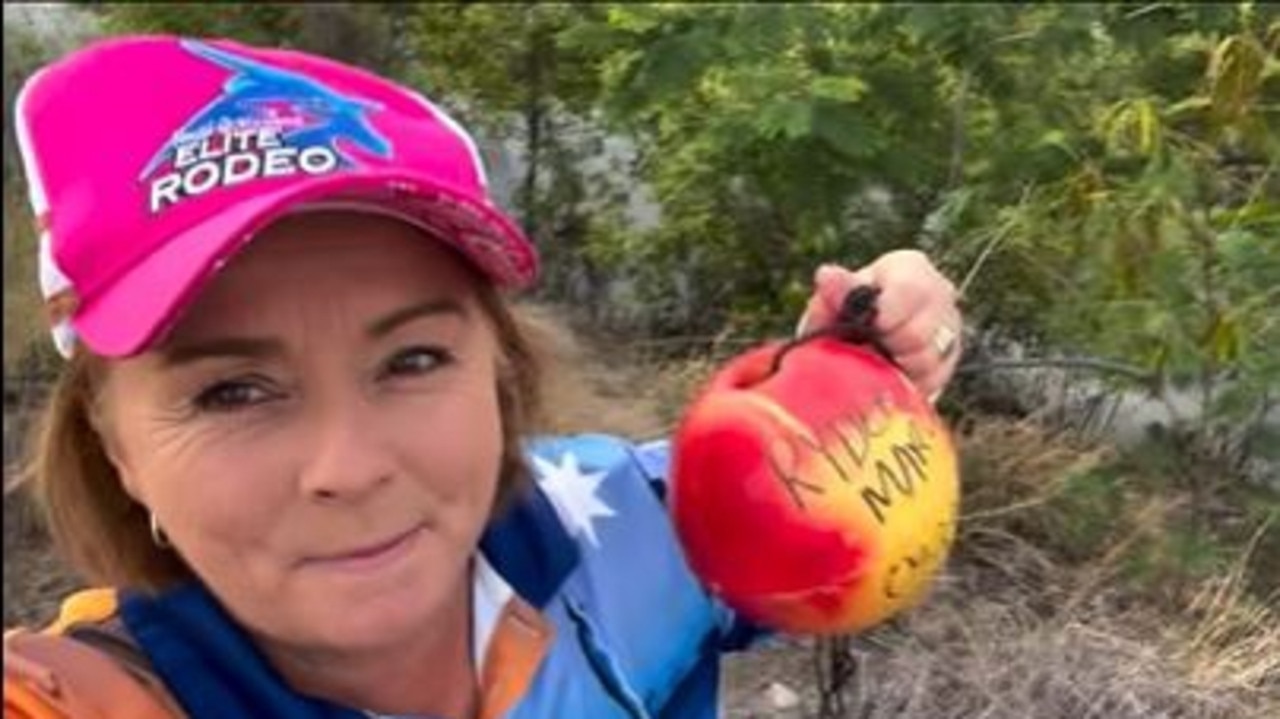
375	624
375	611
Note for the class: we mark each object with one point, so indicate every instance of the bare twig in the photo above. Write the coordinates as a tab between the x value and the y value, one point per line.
996	239
1090	363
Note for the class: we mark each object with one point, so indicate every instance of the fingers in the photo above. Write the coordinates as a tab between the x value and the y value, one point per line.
917	315
929	370
831	284
910	286
931	331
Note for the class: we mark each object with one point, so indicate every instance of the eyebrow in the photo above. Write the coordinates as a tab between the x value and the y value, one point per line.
386	325
260	347
248	347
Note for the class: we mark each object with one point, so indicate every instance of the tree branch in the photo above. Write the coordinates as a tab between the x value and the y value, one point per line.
1090	363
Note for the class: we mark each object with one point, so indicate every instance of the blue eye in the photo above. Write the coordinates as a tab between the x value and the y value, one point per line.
230	395
416	361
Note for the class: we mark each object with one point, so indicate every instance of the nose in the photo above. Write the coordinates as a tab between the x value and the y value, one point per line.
349	458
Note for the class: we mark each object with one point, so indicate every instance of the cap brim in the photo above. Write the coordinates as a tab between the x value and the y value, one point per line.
140	306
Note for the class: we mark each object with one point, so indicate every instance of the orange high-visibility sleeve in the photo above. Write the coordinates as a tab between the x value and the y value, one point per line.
47	676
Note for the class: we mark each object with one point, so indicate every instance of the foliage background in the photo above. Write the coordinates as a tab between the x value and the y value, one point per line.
1101	179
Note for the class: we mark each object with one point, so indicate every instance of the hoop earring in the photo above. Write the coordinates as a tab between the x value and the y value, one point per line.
158	536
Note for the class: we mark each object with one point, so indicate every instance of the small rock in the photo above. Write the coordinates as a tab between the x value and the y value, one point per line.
782	696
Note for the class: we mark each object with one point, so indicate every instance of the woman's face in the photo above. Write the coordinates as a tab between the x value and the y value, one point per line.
320	436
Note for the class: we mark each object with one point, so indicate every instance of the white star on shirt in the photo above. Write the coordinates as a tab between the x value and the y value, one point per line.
573	494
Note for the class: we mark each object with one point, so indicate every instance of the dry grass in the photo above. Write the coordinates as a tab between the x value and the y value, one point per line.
1013	466
607	389
965	657
582	393
971	658
1233	638
1023	628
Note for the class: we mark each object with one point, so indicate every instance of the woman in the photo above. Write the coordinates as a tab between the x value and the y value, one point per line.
294	427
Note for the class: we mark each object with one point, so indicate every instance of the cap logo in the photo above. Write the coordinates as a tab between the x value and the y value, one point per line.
267	122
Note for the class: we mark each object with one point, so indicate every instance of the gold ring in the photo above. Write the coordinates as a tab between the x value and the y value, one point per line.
944	341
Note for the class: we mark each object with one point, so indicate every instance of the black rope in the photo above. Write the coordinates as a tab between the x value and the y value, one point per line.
836	668
855	324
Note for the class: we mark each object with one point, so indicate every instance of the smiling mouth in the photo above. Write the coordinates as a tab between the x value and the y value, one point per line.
372	556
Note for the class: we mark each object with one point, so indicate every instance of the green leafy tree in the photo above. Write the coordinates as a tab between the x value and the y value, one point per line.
1153	240
1101	177
511	73
367	34
772	136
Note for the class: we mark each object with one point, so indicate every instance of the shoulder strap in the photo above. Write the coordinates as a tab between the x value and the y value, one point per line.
86	673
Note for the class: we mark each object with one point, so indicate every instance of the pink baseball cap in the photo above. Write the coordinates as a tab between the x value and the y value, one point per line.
152	160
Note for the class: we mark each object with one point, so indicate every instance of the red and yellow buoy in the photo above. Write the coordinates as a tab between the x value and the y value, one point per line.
820	498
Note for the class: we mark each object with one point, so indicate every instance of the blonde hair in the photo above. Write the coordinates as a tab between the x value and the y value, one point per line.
105	534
